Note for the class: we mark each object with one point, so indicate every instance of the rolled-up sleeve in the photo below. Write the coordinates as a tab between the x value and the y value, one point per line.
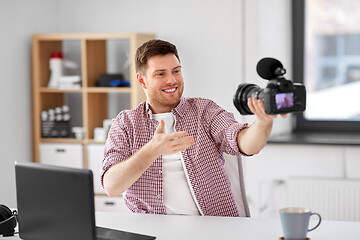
225	129
117	147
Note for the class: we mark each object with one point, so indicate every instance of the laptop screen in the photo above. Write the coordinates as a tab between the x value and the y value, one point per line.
54	202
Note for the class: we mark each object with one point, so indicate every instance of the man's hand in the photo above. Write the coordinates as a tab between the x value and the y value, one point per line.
168	143
257	107
123	174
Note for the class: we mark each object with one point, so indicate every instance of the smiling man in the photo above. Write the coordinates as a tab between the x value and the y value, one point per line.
166	155
162	82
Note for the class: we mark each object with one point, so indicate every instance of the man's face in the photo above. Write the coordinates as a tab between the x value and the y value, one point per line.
162	82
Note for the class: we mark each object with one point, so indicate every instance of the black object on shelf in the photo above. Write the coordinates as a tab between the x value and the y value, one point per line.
55	123
112	80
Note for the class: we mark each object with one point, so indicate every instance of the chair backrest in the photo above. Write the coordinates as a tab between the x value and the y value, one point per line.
234	169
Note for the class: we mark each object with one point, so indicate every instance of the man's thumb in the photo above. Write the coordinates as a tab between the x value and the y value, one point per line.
160	128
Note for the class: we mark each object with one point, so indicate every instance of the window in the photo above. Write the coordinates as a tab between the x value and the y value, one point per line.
326	58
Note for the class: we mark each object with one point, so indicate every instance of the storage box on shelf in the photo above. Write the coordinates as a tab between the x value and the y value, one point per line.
62	154
90	104
106	204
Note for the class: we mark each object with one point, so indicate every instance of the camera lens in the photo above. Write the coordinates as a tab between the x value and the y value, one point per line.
244	92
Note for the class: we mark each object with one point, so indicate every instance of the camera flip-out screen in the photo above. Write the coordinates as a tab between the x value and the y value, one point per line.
284	100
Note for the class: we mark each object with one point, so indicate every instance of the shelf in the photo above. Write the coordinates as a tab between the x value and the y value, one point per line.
60	140
82	36
94	141
88	89
108	90
69	140
94	54
318	138
56	90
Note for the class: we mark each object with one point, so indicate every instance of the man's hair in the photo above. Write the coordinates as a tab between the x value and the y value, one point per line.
153	48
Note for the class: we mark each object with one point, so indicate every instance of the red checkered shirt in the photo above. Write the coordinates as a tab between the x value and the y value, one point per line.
214	130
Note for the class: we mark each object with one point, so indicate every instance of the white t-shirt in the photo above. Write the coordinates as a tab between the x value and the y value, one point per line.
178	197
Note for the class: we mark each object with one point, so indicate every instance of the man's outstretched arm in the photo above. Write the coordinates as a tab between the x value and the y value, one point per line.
252	139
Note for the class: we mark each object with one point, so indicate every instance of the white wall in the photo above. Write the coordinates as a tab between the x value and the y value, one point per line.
267	33
18	20
207	34
216	55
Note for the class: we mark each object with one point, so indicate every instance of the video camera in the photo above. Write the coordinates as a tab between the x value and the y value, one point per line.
280	96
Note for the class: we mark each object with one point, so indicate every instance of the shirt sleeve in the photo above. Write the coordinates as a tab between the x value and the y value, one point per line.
117	147
224	129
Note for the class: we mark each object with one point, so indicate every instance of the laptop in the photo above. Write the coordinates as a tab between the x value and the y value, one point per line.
58	203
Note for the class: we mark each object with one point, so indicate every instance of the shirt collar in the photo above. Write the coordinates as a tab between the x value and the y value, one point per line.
148	110
179	109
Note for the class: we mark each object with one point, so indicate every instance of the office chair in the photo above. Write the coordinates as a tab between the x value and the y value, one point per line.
234	169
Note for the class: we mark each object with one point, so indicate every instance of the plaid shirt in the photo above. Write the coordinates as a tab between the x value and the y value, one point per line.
214	130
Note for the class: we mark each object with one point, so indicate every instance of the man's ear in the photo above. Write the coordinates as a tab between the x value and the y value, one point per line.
141	80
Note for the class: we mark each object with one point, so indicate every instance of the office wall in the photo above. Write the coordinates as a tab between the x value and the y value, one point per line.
219	42
207	34
18	20
267	33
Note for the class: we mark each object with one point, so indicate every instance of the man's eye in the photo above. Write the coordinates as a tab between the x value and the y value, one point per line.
177	71
160	74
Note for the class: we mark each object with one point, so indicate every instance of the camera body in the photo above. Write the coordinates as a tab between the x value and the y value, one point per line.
280	96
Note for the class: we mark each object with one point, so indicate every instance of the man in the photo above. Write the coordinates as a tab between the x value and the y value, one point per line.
166	155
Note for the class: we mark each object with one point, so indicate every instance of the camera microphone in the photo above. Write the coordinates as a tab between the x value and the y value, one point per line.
270	68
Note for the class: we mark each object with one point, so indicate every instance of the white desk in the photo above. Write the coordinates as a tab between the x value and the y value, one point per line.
166	227
172	227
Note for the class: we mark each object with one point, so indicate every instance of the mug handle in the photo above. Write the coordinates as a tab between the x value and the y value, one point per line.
309	230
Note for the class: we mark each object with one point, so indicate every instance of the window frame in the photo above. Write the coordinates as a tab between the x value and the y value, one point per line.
298	41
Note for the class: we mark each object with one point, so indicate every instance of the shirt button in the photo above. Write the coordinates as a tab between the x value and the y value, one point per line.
160	172
158	196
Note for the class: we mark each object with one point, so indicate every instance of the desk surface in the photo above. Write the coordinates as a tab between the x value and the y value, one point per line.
174	227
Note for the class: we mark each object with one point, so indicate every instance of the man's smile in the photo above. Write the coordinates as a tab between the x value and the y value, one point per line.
170	90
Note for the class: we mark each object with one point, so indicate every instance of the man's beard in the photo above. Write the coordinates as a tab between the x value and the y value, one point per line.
160	99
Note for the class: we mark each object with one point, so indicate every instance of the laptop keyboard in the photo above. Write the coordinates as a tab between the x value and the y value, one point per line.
112	234
101	238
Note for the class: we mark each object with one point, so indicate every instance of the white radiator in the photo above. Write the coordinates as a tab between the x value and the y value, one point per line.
333	199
